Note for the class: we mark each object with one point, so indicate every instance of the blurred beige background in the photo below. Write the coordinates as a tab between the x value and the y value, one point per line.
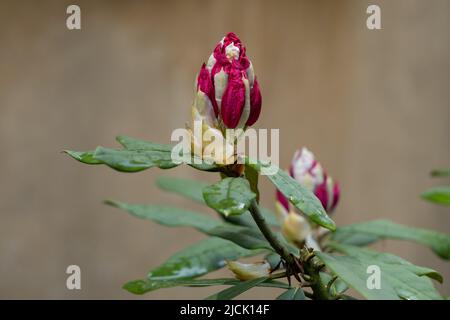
374	106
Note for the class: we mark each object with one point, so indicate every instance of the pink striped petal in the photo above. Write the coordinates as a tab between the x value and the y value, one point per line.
233	100
282	200
255	104
322	193
205	84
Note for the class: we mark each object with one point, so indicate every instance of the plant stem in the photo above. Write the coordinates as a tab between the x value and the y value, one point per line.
320	291
268	234
312	268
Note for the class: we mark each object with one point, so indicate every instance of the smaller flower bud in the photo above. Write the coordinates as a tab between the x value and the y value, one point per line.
295	228
310	174
249	271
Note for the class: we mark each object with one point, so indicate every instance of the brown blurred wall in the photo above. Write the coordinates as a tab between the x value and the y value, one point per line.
372	105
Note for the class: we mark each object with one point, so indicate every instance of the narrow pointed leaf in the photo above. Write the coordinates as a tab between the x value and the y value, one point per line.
86	157
178	217
169	216
381	229
439	195
234	291
299	196
134	160
292	294
243	236
440	173
189	189
146	285
199	259
142	145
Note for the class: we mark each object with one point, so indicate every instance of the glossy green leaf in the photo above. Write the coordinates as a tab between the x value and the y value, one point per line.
400	279
380	229
292	294
147	285
234	291
230	196
134	160
243	236
84	157
354	239
189	189
141	145
441	173
439	195
169	216
299	196
137	155
177	217
199	259
193	190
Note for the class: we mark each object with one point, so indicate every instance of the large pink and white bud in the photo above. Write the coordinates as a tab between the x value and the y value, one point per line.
229	83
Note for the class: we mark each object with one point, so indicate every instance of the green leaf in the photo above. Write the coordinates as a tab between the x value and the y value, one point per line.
400	279
169	216
234	291
292	294
230	196
303	199
199	259
138	155
354	239
190	189
439	195
380	229
141	145
147	285
84	157
193	190
440	173
177	217
134	160
243	236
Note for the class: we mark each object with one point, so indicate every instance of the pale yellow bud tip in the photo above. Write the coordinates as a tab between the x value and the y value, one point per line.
295	228
248	271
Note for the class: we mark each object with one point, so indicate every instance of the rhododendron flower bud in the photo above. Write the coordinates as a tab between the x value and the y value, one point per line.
229	83
310	174
295	228
249	271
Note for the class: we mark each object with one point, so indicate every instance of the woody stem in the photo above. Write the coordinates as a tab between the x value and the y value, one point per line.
268	234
